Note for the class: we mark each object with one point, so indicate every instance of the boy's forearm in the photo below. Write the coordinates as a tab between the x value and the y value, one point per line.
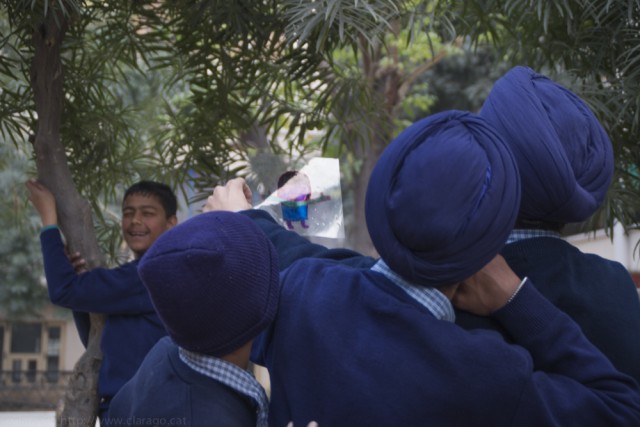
49	217
291	246
43	201
562	358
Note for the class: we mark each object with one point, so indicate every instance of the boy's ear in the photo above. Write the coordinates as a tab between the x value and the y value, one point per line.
172	220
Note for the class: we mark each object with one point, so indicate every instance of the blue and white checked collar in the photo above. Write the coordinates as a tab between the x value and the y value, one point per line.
232	376
522	233
432	299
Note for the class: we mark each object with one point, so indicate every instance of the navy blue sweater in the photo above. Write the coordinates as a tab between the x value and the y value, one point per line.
167	392
597	293
132	327
292	247
350	348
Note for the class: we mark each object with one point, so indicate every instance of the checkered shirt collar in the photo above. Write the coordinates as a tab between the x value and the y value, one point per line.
232	376
522	233
432	299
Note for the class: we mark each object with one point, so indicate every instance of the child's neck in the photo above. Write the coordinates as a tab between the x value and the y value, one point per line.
239	357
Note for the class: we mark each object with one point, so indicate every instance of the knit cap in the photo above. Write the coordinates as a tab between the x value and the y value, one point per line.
442	199
214	282
564	155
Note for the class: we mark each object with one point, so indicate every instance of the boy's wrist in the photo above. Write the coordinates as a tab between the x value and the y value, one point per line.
49	220
48	227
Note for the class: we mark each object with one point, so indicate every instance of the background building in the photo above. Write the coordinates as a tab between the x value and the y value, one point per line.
36	358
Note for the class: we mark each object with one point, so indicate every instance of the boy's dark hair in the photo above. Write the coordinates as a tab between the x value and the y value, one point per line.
163	192
286	177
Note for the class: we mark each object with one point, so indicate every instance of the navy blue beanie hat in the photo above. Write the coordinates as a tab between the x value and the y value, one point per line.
213	281
564	155
442	199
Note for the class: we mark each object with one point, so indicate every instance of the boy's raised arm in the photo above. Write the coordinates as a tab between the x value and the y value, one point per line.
43	201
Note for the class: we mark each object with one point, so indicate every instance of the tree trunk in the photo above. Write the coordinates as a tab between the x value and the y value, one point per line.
359	238
390	86
80	404
385	83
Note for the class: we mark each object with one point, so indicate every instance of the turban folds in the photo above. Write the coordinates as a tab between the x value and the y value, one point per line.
564	156
442	199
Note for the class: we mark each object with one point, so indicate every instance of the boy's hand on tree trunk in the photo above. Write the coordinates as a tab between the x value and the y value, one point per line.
43	200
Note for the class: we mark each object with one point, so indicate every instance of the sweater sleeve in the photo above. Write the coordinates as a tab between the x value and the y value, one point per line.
571	380
101	290
291	246
83	325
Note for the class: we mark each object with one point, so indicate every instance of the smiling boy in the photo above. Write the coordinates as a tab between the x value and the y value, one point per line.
132	326
148	210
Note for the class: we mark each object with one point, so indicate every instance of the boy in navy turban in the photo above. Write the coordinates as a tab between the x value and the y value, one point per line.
214	283
375	345
565	160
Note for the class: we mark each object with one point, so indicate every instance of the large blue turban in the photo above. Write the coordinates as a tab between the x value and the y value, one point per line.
564	156
442	199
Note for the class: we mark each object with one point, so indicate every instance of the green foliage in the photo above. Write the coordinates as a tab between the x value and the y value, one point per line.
16	99
327	23
174	90
22	288
463	81
592	48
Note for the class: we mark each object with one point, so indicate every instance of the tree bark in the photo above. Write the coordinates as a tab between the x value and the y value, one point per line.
390	87
385	84
80	404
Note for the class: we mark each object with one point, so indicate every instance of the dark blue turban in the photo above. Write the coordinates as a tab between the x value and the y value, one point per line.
213	281
564	156
442	199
